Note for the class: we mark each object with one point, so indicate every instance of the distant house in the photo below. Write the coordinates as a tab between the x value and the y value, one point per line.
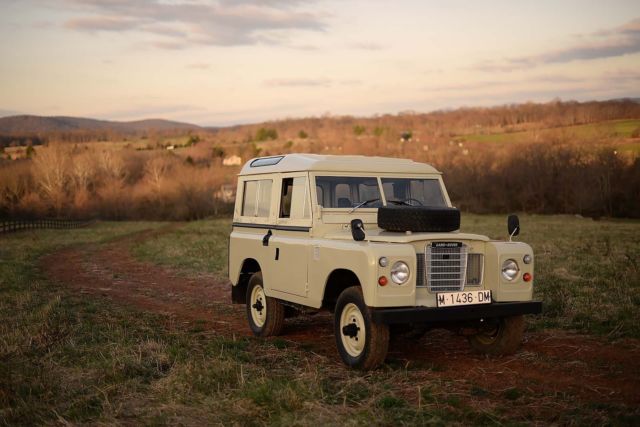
171	147
232	161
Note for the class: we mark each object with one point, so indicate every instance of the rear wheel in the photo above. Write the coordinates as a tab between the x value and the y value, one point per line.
501	337
265	314
361	343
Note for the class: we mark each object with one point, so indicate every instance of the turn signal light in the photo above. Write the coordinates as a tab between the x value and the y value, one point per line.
527	277
382	281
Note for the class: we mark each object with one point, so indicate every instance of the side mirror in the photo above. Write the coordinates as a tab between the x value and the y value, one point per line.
513	225
357	230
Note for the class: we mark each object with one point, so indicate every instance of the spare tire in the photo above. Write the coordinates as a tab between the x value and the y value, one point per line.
418	218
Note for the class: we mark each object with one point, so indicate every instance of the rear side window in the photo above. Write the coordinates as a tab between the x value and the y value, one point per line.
256	199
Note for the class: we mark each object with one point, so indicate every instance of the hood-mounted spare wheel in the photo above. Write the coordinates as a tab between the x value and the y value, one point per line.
418	218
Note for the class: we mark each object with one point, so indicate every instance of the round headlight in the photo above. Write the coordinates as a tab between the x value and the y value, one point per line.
510	269
527	259
383	261
400	273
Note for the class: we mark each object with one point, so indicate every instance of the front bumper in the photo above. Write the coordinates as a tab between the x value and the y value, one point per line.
454	314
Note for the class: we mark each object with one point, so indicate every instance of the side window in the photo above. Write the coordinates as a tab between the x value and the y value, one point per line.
294	200
250	198
257	198
264	198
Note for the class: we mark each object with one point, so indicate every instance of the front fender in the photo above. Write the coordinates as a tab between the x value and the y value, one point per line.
361	258
503	290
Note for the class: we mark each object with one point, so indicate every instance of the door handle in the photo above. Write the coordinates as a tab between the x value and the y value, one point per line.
265	239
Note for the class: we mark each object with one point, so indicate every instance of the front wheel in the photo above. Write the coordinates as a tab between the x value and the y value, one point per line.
265	314
361	343
500	338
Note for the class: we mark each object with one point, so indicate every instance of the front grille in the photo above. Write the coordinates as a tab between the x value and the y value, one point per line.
475	268
420	273
446	266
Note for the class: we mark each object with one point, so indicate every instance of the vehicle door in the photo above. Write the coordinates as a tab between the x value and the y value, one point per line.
290	240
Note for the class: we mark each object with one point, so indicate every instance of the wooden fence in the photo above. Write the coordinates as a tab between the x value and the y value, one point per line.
19	225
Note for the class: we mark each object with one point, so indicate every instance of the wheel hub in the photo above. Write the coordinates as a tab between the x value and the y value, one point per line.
352	326
258	305
350	330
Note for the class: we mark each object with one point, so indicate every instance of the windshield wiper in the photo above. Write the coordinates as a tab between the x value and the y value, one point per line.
361	204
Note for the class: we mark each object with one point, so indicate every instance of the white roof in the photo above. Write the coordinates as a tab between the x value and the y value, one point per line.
332	163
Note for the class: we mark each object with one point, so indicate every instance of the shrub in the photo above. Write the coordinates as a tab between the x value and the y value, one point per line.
217	152
193	140
265	134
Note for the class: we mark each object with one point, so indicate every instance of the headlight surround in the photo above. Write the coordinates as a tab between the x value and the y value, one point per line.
510	270
399	273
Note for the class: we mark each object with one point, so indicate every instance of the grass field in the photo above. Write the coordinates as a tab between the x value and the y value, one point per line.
607	129
586	271
69	357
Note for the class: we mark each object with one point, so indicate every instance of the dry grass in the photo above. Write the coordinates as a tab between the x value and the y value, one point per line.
73	358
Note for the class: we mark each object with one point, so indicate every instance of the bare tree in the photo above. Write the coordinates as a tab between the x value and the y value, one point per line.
112	165
156	169
51	167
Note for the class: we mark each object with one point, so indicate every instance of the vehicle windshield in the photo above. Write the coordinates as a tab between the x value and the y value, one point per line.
347	192
413	191
363	192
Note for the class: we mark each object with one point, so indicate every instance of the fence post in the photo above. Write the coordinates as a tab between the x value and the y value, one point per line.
7	226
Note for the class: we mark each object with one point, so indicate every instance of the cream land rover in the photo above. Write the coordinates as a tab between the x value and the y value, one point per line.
376	241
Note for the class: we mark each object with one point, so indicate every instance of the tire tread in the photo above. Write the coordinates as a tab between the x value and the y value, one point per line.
376	350
275	311
508	340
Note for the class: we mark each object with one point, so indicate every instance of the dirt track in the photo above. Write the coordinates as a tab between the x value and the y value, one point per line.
550	363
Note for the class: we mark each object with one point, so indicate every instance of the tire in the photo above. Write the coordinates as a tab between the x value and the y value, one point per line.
504	338
365	345
418	218
265	314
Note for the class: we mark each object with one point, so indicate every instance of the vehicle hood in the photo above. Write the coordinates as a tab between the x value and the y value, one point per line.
378	235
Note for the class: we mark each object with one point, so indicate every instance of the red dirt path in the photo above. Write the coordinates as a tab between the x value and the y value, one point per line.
551	362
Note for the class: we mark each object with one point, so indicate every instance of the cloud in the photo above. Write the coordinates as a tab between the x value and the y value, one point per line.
199	66
298	82
168	45
102	23
544	79
621	76
619	41
219	23
540	87
366	46
304	47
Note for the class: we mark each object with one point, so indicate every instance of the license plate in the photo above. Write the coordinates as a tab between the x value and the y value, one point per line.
452	299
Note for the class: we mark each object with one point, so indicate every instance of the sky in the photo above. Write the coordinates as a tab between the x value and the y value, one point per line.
224	62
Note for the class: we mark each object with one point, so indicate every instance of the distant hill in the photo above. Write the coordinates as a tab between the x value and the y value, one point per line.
27	124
